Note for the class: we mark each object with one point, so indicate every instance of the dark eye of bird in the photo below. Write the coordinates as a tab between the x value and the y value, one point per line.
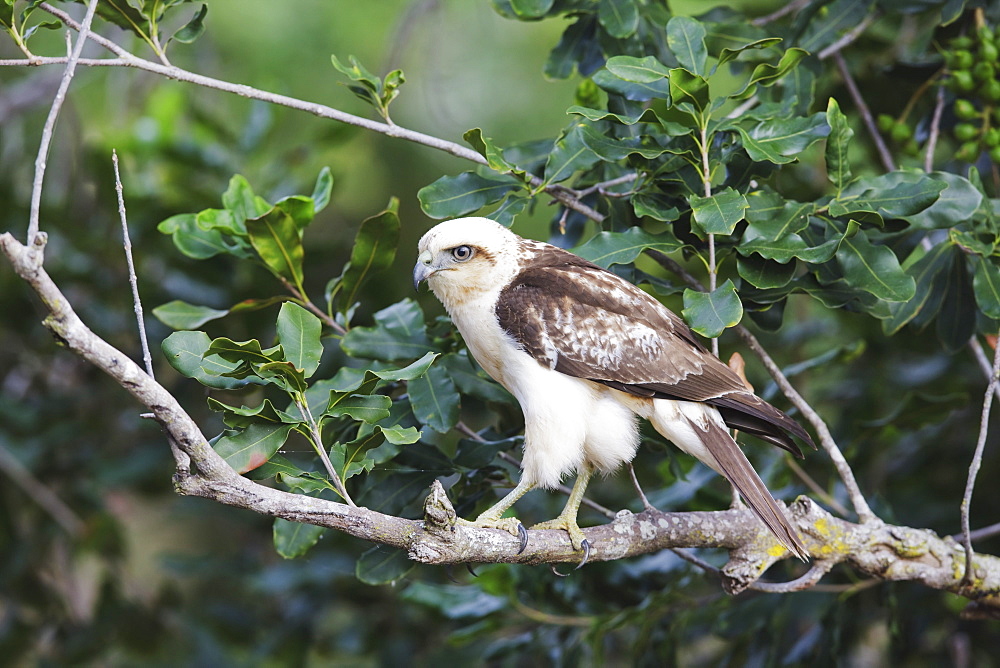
462	253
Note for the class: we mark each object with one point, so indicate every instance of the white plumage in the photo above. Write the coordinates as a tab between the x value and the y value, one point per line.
585	352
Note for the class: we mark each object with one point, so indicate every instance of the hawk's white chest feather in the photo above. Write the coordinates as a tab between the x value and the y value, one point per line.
569	421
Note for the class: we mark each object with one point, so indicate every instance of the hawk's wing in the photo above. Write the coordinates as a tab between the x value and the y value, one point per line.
584	321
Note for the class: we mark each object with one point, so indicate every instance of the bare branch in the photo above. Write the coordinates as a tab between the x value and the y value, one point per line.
866	115
977	460
848	37
136	302
50	502
935	130
861	506
793	6
50	122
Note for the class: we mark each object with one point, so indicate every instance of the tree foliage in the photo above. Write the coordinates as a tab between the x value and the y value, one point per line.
818	183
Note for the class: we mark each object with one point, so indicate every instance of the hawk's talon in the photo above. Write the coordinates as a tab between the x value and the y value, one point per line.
586	554
471	571
522	534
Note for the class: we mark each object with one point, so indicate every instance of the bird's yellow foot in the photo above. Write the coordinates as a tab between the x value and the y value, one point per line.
511	525
569	525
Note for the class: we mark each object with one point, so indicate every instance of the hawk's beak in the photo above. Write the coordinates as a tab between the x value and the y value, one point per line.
423	269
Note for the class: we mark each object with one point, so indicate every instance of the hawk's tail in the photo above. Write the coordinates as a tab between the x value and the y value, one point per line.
733	464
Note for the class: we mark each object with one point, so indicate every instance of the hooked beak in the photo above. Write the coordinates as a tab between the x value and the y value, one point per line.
422	269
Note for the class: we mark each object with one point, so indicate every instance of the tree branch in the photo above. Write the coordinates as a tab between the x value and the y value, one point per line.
50	121
877	549
128	59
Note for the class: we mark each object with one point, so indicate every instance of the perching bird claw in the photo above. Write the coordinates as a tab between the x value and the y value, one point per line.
522	533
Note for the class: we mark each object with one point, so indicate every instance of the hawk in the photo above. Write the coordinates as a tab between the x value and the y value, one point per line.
585	353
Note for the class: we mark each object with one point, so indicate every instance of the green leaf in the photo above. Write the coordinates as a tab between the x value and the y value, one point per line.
764	274
192	240
874	269
780	141
569	155
613	150
658	89
250	448
619	17
299	335
374	251
243	417
242	203
453	196
322	190
647	115
710	313
398	435
398	334
294	539
531	9
927	272
608	248
278	241
485	147
576	46
368	408
654	205
838	17
186	352
956	322
729	54
957	202
772	217
766	74
838	167
986	285
455	602
688	87
181	315
894	195
243	351
434	399
283	374
719	213
686	39
383	565
193	29
637	70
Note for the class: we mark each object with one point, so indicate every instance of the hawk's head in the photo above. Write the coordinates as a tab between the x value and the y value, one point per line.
465	257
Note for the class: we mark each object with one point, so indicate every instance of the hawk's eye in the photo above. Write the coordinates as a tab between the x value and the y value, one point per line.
462	253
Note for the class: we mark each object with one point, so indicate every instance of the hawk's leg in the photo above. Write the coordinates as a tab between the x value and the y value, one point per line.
493	518
567	518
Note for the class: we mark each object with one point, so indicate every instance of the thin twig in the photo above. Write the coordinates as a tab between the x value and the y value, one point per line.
866	115
815	487
977	460
316	438
129	59
807	580
858	501
935	130
848	37
981	533
39	493
136	302
793	6
50	122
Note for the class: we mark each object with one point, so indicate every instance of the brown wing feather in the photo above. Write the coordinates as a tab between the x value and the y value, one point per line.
587	322
734	465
